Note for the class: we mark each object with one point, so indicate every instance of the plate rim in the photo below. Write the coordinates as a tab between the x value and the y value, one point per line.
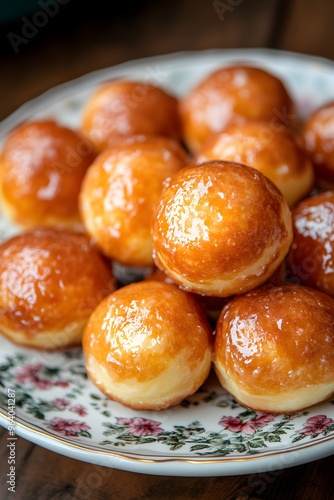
196	467
8	122
177	466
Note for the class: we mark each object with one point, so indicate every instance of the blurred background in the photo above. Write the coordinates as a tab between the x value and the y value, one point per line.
47	42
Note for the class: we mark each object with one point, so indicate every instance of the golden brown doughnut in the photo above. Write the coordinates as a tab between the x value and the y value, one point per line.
121	109
148	345
120	191
318	135
221	229
41	169
275	153
50	282
274	348
312	255
234	95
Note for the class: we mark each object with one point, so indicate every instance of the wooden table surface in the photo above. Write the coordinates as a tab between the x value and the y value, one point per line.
79	40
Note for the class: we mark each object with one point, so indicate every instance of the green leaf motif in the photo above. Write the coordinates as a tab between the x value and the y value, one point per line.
257	444
328	429
106	413
50	371
247	415
240	448
85	434
197	447
273	438
298	438
176	446
95	396
37	413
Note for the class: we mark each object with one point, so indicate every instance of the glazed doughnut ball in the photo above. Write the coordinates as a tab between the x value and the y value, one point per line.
234	95
312	254
148	346
274	348
50	282
41	169
121	109
318	135
221	229
275	153
120	192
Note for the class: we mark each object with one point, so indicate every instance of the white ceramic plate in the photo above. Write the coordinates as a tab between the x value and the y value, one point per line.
209	434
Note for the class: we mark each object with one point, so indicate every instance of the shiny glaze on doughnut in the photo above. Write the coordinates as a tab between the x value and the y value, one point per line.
148	345
312	251
122	109
50	279
120	192
221	228
277	339
41	169
233	95
138	329
275	153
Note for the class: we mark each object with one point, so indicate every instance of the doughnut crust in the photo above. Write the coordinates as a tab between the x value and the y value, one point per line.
50	282
221	229
318	135
275	153
121	109
120	192
42	166
234	95
148	345
274	348
312	256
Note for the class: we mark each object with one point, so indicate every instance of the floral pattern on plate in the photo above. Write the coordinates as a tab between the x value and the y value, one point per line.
63	401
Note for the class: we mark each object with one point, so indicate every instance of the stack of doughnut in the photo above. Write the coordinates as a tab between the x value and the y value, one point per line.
210	197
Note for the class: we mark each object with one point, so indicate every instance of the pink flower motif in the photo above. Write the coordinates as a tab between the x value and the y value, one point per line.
79	410
43	384
235	424
30	373
263	419
61	384
141	426
144	427
124	421
67	427
61	404
231	423
316	425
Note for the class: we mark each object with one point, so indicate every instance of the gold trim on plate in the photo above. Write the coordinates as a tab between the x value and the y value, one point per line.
161	459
